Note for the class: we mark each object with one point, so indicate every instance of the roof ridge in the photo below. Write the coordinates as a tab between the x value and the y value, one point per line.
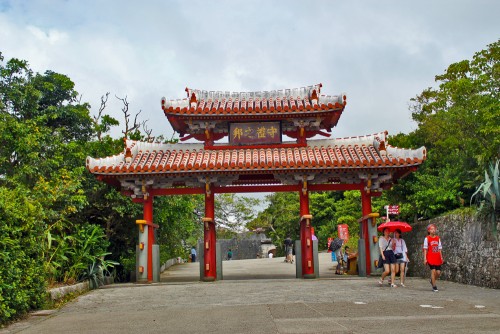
300	91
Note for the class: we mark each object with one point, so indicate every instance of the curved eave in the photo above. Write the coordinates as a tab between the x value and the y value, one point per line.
341	154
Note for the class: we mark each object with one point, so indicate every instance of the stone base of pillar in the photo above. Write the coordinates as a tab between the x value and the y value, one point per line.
361	258
208	279
202	265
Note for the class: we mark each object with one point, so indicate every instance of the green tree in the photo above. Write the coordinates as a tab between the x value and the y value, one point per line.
459	124
279	219
233	213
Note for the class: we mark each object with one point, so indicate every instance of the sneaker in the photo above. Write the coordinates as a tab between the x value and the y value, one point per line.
394	286
435	289
380	282
402	285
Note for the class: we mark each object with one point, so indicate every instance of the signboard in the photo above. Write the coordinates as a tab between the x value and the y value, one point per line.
393	210
343	231
255	133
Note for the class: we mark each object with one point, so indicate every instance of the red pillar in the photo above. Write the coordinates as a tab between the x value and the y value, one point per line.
148	217
306	238
366	208
209	258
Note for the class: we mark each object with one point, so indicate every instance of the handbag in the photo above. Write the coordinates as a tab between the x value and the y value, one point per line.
380	263
399	256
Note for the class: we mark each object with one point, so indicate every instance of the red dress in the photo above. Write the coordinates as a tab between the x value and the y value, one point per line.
433	247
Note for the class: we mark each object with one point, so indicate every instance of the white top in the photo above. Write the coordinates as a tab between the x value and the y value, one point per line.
400	247
426	246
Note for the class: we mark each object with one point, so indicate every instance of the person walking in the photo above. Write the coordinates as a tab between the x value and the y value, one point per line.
229	255
336	248
193	254
433	256
401	254
288	250
388	257
313	236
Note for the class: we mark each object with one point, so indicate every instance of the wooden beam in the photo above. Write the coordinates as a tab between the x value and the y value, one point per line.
176	191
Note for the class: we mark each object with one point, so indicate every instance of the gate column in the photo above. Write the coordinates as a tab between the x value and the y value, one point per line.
366	209
209	238
145	266
306	236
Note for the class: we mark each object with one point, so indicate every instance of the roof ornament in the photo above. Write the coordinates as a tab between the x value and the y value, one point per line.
314	98
128	152
380	146
192	101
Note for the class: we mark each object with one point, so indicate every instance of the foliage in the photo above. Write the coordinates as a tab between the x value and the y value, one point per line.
489	199
69	255
279	219
180	226
96	271
22	278
233	212
459	124
44	131
94	274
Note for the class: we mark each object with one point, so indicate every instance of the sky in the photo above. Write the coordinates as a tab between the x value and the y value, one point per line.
379	53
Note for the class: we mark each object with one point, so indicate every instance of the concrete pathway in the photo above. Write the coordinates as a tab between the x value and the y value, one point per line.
249	301
275	268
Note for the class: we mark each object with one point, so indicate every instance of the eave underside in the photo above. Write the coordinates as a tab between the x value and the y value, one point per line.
374	180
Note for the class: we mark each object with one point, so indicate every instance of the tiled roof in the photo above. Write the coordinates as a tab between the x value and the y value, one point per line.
371	151
217	103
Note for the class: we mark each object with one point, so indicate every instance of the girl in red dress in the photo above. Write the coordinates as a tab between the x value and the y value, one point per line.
432	254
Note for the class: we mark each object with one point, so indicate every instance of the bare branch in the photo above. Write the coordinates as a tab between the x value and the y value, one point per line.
128	128
96	119
148	132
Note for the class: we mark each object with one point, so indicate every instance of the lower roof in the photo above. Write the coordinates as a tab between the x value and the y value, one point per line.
332	160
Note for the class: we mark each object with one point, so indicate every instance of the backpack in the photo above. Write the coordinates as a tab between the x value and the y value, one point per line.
331	247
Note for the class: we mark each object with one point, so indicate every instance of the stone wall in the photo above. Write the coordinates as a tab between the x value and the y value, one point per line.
246	245
471	253
59	293
241	248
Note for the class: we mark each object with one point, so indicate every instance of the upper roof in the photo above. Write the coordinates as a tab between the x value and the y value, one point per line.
371	151
218	103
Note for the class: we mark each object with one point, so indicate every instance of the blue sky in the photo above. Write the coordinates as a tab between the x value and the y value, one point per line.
380	53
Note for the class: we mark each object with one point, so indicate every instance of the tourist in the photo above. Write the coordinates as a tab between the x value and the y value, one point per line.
193	254
313	236
336	249
388	258
288	250
229	255
401	254
345	258
433	256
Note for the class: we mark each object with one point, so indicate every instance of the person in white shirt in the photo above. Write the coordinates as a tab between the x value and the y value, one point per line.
401	254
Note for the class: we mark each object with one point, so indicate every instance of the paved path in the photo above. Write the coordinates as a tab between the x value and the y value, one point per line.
243	304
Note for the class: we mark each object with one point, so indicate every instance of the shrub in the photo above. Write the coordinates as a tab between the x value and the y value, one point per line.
22	279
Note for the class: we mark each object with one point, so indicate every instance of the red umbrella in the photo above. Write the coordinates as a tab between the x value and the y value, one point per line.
393	226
